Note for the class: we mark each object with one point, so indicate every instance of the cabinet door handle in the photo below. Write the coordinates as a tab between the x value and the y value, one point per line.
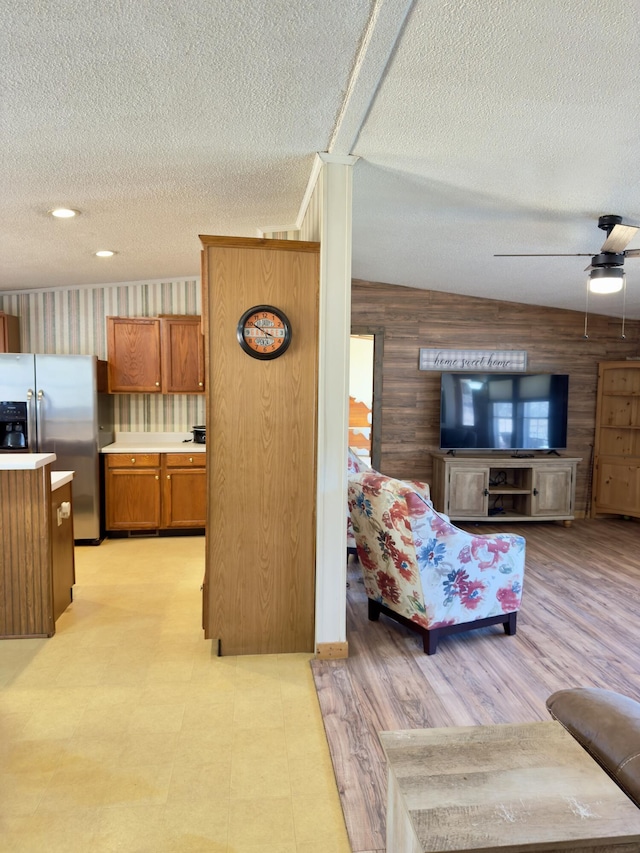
133	460
157	476
157	384
168	476
486	493
201	384
535	492
191	459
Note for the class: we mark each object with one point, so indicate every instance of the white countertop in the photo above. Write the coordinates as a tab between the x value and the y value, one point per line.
59	478
25	461
154	442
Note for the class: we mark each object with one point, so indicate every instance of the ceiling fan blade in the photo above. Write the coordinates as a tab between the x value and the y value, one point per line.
632	253
543	255
619	238
590	267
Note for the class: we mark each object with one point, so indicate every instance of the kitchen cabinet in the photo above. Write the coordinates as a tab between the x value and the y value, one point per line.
616	475
504	488
155	355
36	545
132	491
155	491
182	349
184	490
9	333
62	553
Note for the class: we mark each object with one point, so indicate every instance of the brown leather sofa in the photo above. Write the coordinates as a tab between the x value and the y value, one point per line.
607	725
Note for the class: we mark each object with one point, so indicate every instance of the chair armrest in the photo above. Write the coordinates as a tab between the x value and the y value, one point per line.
607	725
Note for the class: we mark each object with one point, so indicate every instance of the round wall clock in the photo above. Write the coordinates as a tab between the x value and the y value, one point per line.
264	332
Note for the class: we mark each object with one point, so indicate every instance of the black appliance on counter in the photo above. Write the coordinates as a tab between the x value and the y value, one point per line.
199	435
14	436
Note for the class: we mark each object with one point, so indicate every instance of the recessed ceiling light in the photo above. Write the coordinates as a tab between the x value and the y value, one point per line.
105	253
64	212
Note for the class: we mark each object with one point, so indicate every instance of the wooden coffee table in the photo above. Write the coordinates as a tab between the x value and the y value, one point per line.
512	788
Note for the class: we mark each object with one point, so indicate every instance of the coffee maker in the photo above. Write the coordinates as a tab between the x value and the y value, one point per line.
13	426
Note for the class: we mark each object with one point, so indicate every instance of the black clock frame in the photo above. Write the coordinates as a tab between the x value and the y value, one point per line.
264	356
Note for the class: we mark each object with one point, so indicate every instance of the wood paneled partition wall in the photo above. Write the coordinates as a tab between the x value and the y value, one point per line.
259	589
553	339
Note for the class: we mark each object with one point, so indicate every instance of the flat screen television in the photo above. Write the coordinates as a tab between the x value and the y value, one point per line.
503	411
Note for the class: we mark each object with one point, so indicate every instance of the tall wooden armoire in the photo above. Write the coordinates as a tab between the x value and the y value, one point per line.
259	587
616	476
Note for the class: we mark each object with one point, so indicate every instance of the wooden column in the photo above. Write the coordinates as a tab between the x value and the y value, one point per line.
258	595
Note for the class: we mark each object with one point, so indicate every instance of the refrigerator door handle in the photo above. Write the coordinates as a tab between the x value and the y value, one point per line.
39	415
31	422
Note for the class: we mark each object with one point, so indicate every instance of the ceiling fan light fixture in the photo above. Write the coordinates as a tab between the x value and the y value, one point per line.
606	280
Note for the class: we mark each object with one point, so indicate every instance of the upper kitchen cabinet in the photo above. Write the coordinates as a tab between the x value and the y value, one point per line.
133	353
9	333
182	346
155	355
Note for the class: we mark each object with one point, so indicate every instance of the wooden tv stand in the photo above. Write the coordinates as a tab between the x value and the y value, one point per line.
500	487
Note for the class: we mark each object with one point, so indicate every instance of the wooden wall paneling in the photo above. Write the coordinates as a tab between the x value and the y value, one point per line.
26	594
553	339
261	437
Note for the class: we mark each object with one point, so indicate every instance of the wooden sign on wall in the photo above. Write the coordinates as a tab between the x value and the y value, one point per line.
509	361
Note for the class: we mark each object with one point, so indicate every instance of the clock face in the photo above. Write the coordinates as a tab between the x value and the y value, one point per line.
264	332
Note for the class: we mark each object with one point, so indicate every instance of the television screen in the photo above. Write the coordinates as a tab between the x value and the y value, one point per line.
503	411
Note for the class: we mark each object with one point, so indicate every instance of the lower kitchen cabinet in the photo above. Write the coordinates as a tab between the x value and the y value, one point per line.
155	491
62	553
36	548
184	490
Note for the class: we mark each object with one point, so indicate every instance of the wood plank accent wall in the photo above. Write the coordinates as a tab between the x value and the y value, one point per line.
259	594
26	594
410	398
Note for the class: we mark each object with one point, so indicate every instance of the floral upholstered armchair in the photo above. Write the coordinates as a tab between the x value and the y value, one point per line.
355	465
424	572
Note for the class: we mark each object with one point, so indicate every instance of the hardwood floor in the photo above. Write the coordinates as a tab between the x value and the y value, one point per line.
579	626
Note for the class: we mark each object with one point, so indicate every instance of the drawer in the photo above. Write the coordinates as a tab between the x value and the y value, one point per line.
185	460
133	460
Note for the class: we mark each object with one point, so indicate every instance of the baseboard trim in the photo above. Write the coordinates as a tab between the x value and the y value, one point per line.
332	651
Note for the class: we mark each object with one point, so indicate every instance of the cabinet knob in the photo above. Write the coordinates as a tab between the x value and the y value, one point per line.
168	476
157	476
535	492
191	459
157	384
201	384
486	492
133	460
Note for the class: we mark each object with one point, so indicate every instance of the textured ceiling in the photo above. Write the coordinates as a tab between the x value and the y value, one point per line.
482	127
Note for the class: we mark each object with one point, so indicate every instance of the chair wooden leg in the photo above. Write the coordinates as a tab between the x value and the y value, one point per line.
430	641
374	610
510	624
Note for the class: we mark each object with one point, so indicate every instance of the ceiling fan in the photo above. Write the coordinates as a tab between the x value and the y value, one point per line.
606	271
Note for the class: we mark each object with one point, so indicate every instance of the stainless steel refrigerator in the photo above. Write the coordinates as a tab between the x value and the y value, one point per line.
57	403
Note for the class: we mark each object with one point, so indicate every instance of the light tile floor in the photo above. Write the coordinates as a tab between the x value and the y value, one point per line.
124	731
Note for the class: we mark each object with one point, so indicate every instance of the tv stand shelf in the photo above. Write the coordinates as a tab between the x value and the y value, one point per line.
505	488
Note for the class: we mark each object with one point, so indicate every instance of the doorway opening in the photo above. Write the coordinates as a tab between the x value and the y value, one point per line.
365	393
